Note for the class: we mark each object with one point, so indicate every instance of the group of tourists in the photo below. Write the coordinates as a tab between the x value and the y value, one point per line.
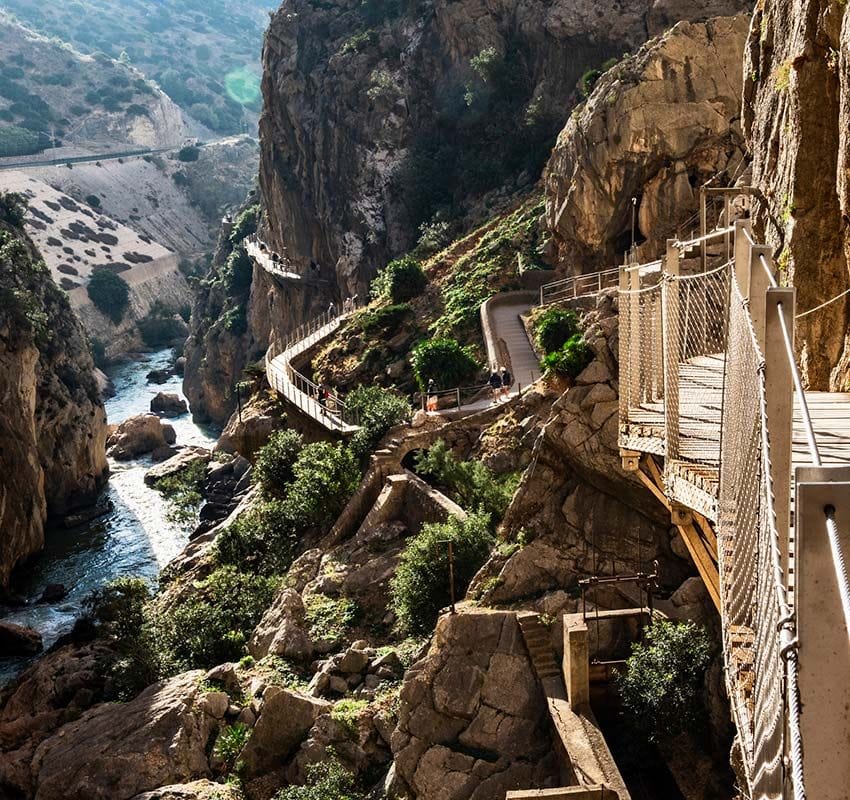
348	305
500	383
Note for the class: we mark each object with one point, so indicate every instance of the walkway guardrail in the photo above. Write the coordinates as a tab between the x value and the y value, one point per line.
578	286
709	380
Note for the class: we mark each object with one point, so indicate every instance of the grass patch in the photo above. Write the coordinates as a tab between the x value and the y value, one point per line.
329	618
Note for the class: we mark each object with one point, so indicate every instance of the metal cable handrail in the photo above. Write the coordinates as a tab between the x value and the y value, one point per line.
715	234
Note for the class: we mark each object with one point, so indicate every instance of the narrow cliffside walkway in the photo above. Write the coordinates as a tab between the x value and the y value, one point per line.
506	338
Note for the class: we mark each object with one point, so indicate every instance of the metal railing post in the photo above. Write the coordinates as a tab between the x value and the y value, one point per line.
742	255
703	227
779	396
672	348
824	654
759	283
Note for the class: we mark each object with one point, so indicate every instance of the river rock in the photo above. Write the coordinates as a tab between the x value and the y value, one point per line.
177	463
119	750
159	375
87	514
168	404
53	593
139	435
197	790
16	640
282	631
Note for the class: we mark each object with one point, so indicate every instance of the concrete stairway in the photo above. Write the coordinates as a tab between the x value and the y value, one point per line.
539	645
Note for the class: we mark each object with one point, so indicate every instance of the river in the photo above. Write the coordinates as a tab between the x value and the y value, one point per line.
135	538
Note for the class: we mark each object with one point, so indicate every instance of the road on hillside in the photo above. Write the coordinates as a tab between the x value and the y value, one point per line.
112	156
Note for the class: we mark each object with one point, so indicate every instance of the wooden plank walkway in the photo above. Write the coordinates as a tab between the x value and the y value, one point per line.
700	405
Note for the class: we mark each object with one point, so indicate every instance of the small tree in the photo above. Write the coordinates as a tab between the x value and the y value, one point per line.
273	470
327	780
326	476
444	361
110	293
378	410
571	359
189	153
402	279
662	681
420	587
555	328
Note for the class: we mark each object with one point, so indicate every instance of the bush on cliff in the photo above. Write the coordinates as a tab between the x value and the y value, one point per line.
469	483
110	293
245	224
443	360
212	624
662	682
327	780
571	359
554	329
378	410
326	476
275	462
420	587
402	279
262	540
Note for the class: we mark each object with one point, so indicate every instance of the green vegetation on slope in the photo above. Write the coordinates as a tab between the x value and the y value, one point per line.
203	53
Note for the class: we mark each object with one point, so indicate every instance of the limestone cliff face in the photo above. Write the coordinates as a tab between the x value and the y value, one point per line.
656	127
377	116
53	426
797	121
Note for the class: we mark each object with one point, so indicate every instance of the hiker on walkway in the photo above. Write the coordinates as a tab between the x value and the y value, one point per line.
323	399
495	383
331	308
431	394
507	380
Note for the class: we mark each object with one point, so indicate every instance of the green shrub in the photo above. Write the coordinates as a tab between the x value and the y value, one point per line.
378	410
444	361
18	141
229	743
119	609
327	780
420	587
262	540
662	682
158	330
588	81
325	477
238	272
183	491
110	293
212	623
571	359
275	461
245	224
470	483
554	329
384	318
347	713
189	153
329	618
13	208
402	279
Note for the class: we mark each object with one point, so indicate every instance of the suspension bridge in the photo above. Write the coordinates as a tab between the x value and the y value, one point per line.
755	472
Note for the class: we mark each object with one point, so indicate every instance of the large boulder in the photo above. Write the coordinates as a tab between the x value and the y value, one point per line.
139	435
197	790
116	751
17	640
473	720
168	404
282	630
177	463
285	720
56	689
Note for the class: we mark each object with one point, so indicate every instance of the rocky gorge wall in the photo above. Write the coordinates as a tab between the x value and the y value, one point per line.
797	122
53	426
656	127
369	111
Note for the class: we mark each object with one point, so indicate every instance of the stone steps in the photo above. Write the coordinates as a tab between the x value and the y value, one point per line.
539	645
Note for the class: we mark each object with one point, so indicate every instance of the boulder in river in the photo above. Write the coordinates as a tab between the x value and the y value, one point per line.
139	435
177	463
168	404
53	593
159	375
16	640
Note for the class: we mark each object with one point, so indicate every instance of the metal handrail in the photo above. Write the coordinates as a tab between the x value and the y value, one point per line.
568	288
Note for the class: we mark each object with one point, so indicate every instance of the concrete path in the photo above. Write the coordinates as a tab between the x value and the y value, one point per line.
504	333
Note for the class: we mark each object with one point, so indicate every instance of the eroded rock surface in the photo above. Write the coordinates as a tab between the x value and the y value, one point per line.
139	435
118	750
656	127
473	719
